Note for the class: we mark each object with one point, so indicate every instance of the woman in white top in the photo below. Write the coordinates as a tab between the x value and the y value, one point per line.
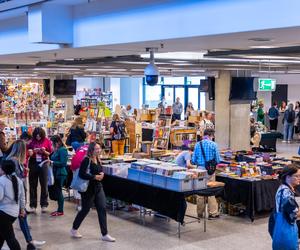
12	204
206	123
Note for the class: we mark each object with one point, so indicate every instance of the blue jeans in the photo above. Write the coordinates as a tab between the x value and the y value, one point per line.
25	228
288	131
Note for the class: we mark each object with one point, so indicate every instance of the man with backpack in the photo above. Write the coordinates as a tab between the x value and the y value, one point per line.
288	123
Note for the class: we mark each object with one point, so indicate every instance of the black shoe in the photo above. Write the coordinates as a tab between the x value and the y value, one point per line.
30	246
213	217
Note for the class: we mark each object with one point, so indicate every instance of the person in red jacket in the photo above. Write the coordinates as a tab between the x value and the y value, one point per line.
39	150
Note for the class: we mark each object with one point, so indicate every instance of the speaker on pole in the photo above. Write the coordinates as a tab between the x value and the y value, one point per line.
211	88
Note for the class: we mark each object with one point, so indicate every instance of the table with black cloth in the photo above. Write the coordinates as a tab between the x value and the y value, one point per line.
166	202
268	140
257	196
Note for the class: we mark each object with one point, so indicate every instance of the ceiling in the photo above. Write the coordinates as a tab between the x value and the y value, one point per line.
266	51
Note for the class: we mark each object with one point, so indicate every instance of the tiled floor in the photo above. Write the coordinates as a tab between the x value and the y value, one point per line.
227	233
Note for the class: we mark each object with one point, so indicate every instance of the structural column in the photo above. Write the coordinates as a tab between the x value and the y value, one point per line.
240	126
222	109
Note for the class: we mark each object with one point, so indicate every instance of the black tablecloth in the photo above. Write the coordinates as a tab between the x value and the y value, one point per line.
268	140
257	196
163	201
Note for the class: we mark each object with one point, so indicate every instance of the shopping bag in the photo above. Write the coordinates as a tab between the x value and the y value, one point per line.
285	235
50	176
53	191
79	184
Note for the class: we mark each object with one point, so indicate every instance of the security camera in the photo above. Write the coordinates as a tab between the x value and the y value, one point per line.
151	74
151	71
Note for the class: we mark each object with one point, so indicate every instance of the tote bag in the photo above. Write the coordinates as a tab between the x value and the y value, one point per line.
78	183
285	235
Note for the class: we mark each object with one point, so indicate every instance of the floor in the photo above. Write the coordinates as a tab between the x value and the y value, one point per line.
227	233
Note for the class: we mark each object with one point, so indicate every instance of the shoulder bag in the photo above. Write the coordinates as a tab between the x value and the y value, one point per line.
78	183
210	165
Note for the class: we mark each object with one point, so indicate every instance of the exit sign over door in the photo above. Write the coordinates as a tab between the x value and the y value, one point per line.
266	84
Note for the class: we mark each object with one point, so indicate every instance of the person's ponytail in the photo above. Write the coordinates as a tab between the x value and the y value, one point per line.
15	184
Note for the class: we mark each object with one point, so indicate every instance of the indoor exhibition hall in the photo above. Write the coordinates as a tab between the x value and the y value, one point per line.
149	124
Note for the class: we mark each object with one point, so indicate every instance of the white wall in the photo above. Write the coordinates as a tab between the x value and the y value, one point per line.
131	91
115	89
89	83
294	93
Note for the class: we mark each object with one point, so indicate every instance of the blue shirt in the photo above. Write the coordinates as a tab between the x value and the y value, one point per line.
182	158
273	113
210	150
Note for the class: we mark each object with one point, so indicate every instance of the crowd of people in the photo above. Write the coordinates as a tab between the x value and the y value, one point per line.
290	119
43	160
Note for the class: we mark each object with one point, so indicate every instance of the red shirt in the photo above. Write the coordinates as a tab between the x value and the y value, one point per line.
46	143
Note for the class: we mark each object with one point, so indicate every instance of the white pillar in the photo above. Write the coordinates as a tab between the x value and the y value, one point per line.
222	109
240	126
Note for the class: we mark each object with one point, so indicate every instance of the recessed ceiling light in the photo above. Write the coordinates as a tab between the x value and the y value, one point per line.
178	55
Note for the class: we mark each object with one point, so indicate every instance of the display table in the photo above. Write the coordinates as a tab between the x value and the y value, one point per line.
268	140
257	196
166	202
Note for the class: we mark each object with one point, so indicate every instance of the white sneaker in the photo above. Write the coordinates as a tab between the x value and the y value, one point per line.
75	234
108	238
44	210
38	243
289	142
284	141
78	208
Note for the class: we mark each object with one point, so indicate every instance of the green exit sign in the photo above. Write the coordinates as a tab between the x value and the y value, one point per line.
266	84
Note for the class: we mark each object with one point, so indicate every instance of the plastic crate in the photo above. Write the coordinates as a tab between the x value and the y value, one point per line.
159	181
199	183
133	174
146	177
179	185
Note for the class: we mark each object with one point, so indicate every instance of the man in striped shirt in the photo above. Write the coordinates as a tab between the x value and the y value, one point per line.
211	152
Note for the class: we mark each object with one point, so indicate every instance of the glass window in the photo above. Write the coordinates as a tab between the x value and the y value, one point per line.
153	95
169	95
194	80
173	80
202	101
193	97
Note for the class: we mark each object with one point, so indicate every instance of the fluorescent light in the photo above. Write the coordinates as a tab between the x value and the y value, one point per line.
56	69
106	70
178	55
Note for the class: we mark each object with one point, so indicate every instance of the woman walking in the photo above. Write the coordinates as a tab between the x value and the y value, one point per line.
18	156
12	203
91	170
58	160
285	233
39	150
288	123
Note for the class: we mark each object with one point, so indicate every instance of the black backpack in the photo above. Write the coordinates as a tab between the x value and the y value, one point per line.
290	117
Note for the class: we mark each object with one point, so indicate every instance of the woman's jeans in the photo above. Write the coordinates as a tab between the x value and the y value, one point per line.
59	182
25	228
88	200
288	131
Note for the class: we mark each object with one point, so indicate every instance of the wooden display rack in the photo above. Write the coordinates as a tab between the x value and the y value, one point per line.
177	136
